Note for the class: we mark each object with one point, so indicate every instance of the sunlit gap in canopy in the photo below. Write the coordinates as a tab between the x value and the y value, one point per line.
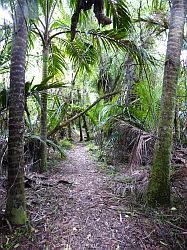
5	16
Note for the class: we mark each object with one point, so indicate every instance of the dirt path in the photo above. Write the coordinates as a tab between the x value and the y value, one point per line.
90	222
90	215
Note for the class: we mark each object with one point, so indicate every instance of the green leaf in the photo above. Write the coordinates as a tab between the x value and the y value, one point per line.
44	81
28	86
42	84
41	87
57	147
57	62
119	12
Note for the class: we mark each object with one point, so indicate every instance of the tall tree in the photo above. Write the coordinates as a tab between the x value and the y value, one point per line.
159	184
45	56
15	206
48	8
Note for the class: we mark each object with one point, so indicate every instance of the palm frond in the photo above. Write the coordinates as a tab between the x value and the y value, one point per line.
49	142
81	52
57	63
111	40
158	5
137	144
119	12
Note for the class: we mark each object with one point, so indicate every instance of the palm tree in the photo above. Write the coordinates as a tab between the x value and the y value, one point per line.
45	56
15	206
159	184
48	8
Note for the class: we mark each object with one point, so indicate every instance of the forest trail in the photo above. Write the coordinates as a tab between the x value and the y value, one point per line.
87	215
91	221
90	214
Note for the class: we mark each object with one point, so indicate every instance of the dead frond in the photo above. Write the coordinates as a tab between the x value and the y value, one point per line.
137	144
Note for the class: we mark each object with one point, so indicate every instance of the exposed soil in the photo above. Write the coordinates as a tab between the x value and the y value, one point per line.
92	213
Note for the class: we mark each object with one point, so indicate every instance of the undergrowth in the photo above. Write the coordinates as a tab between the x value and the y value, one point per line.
15	236
100	156
168	223
65	144
55	157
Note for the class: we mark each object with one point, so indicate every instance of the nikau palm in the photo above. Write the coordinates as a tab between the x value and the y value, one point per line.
43	133
48	10
159	185
15	206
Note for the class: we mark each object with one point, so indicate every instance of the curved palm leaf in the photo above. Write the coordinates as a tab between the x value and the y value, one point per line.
119	12
81	52
57	63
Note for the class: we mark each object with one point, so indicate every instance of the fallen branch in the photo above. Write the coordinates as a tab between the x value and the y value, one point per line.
30	182
60	126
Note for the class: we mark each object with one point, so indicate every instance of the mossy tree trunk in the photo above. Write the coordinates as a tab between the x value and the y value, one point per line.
79	101
15	205
159	183
130	80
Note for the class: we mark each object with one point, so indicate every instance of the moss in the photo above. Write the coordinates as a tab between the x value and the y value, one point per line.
159	184
66	144
16	208
18	216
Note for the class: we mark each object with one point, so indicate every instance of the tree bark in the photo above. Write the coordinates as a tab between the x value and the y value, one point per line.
86	128
130	80
159	183
69	132
80	129
16	205
43	119
177	123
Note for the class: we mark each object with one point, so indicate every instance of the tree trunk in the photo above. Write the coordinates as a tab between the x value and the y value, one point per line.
86	128
43	131
80	129
69	132
177	123
15	205
159	183
130	80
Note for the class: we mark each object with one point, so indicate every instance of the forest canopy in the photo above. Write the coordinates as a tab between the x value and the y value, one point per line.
107	76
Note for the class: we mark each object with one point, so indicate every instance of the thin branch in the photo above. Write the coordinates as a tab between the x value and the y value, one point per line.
151	21
59	33
52	11
60	126
39	33
39	19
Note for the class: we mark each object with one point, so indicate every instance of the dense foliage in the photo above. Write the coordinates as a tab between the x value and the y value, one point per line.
92	72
